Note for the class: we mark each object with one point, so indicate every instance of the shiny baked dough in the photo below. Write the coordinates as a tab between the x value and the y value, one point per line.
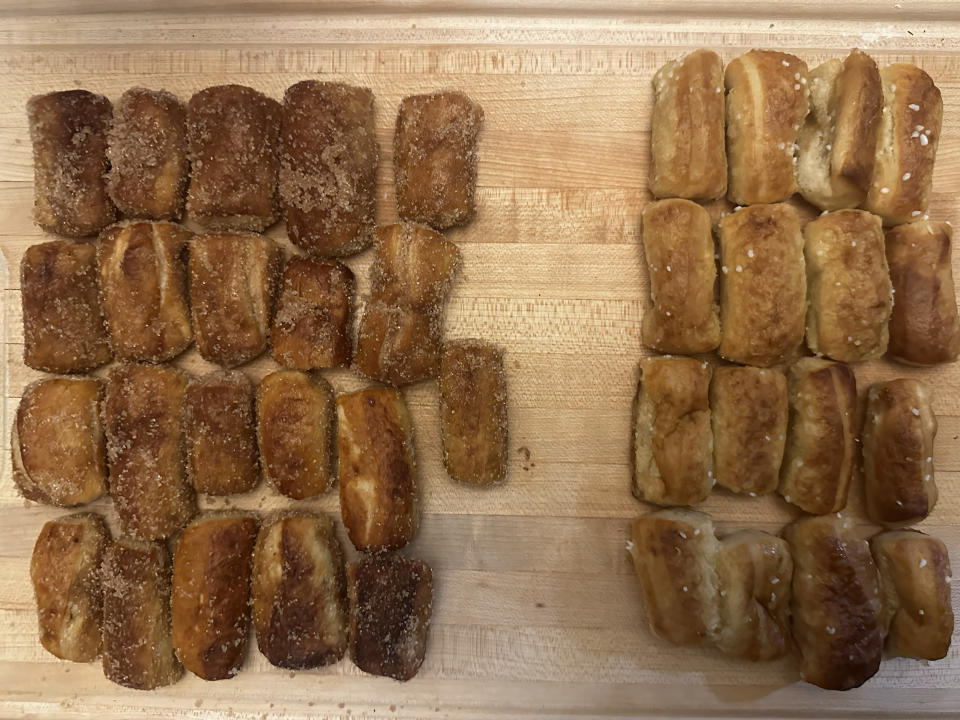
924	326
145	449
295	431
915	581
233	282
688	158
65	571
314	321
414	265
435	158
57	442
673	443
836	605
766	105
147	148
391	601
682	315
748	411
219	429
674	554
907	145
328	167
143	283
299	592
899	428
63	327
763	291
473	412
821	436
379	499
210	602
233	136
849	294
137	639
837	145
68	130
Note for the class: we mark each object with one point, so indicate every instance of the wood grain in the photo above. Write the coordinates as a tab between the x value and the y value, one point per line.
537	611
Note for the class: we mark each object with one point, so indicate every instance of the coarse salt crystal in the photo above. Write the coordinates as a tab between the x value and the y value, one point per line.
914	107
906	176
923	562
923	140
884	190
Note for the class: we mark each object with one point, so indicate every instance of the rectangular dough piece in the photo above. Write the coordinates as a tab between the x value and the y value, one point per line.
748	411
763	289
219	422
907	145
473	412
295	431
682	315
838	141
754	573
143	283
145	449
674	555
687	154
379	498
299	592
233	136
137	638
924	326
836	604
673	443
68	130
147	148
897	444
210	602
435	158
314	321
233	283
849	294
391	601
63	326
328	167
57	442
915	581
766	105
65	572
821	436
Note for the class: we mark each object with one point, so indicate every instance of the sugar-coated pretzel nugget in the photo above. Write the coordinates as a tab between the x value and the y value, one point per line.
233	135
328	167
63	326
69	134
435	158
147	148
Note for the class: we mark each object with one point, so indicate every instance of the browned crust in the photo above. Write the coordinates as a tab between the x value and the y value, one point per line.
856	103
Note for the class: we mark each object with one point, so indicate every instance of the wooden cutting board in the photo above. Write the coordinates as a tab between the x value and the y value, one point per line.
537	610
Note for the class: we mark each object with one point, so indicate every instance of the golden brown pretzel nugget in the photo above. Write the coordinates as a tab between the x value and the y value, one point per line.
65	571
314	320
378	476
137	635
143	282
295	431
299	592
63	327
899	428
219	426
233	135
58	446
328	167
147	147
145	448
69	134
391	601
211	594
233	281
435	158
687	153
